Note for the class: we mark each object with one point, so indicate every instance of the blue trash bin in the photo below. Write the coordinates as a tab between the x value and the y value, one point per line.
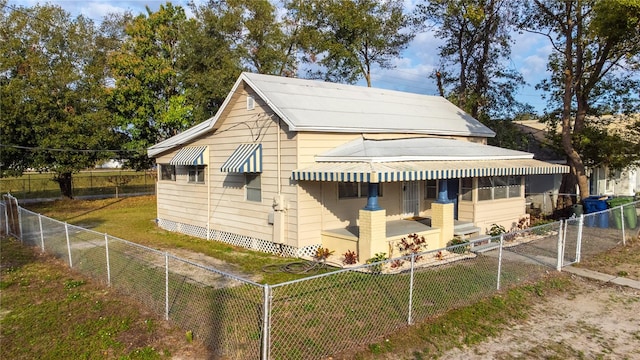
595	204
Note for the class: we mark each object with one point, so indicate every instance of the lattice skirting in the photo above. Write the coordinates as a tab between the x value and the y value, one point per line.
238	240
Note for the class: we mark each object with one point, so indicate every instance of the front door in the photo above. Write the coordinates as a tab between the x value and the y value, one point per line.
410	198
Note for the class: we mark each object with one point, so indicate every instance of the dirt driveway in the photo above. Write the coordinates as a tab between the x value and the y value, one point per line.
595	321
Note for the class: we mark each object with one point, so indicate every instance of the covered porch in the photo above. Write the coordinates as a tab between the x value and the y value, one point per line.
346	238
410	161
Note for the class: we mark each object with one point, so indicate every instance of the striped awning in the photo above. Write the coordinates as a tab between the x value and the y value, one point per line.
190	155
423	170
247	158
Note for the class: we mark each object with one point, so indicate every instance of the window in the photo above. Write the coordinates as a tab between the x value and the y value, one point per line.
253	185
499	187
466	189
431	189
196	174
353	190
167	172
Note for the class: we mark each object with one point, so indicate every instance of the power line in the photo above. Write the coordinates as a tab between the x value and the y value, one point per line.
33	148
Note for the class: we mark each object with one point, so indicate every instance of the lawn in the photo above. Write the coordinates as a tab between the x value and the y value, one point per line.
454	305
132	219
51	312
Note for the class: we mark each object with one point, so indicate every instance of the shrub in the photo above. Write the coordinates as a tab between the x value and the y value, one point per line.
458	249
322	254
412	244
350	258
377	259
496	230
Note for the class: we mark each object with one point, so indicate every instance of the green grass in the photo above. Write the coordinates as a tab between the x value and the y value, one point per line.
132	219
41	185
312	318
50	312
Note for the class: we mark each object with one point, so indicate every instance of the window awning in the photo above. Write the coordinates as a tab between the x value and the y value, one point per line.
247	158
190	155
423	170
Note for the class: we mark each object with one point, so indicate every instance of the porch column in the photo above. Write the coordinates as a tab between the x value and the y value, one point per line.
373	233
442	215
372	198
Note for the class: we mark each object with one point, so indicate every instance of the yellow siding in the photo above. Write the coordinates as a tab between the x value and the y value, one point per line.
505	212
229	210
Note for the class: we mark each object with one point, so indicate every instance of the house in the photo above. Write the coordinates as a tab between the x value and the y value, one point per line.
602	181
290	165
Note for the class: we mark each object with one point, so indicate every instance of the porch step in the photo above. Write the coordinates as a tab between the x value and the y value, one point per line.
478	249
464	230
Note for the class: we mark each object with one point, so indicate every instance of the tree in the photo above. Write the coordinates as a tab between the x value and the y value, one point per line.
596	53
477	43
52	94
149	100
346	38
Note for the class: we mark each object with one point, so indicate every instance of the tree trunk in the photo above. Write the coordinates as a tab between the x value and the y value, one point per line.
64	180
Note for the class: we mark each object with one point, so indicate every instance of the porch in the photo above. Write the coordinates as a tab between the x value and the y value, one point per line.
344	239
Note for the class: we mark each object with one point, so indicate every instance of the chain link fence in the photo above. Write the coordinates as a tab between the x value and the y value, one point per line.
105	183
323	315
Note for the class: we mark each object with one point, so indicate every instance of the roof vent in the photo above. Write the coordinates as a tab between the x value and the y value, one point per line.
251	104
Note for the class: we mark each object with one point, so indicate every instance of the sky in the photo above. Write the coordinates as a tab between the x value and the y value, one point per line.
411	71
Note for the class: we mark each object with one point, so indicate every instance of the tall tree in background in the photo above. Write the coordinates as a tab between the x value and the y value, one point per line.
346	38
227	37
477	44
596	53
149	100
52	94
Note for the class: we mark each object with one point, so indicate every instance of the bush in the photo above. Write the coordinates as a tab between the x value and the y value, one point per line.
377	259
458	249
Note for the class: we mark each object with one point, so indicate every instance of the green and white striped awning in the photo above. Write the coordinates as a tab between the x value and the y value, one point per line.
423	170
247	158
190	155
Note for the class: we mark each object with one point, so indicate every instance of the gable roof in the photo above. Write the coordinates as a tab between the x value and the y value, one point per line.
311	105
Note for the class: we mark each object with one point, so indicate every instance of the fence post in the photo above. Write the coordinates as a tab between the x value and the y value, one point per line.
106	247
41	232
579	240
265	323
624	237
559	247
20	222
66	231
413	262
500	261
166	286
6	218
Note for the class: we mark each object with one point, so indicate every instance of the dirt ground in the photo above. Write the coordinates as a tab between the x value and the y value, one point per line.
597	321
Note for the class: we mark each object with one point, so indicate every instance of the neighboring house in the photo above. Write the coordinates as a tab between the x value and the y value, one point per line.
601	180
289	165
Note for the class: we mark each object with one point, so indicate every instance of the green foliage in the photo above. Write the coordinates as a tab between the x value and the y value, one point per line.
377	260
347	38
52	93
476	38
149	100
322	254
496	230
593	72
458	249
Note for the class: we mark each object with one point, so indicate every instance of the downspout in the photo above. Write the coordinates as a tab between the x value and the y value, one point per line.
208	195
279	183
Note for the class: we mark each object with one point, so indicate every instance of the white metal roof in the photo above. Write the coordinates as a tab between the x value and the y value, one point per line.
417	149
311	105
